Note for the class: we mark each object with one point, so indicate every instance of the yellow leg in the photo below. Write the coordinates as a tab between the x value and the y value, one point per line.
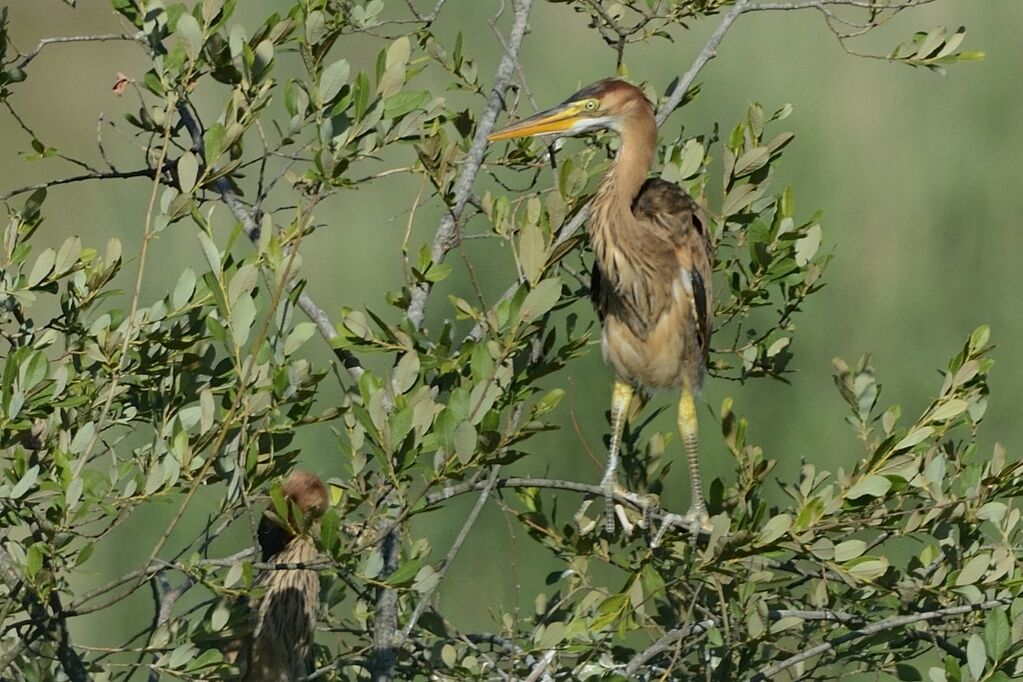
696	518
620	399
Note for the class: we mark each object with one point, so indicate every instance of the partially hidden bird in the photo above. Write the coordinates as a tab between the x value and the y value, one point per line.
285	621
651	279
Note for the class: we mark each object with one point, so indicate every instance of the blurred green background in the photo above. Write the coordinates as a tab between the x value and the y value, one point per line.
918	175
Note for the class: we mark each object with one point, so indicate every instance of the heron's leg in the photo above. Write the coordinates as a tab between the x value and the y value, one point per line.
687	426
620	399
697	517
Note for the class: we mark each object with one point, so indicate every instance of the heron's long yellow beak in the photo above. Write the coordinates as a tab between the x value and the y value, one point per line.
556	120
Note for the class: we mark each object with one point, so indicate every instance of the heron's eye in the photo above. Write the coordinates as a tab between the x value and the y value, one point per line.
591	105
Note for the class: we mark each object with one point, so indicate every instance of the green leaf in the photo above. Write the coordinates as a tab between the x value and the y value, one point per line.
405	573
242	283
850	549
332	80
34	560
532	252
402	103
207	410
27	481
426	579
774	529
242	317
867	567
551	635
67	256
873	485
302	332
950	410
997	634
974	569
976	656
209	249
465	442
808	245
184	289
191	34
914	437
541	299
406	372
221	612
188	171
43	266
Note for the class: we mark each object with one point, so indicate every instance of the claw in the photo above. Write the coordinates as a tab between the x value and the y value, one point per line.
697	520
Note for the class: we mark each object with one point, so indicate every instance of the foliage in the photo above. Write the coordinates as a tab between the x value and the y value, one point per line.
109	403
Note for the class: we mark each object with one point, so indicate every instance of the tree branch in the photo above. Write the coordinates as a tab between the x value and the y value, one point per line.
424	598
892	623
639	502
444	238
29	56
666	642
140	173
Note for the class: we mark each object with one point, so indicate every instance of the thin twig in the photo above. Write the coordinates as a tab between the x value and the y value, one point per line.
138	37
140	173
424	598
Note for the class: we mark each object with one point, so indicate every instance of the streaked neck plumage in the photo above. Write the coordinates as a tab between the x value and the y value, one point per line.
612	206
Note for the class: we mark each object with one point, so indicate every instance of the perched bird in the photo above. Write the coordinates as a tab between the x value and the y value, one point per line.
285	620
651	282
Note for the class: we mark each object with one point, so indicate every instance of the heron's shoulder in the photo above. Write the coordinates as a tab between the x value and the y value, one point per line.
659	198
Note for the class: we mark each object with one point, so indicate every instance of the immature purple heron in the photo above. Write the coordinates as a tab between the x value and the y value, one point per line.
285	621
651	279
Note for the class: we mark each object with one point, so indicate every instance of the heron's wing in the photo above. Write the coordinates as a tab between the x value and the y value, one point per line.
677	216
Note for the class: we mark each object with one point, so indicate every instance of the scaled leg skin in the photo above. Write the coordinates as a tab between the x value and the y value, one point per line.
687	425
620	399
696	518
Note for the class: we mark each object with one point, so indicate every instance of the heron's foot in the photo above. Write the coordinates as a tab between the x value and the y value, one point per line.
612	510
650	503
697	520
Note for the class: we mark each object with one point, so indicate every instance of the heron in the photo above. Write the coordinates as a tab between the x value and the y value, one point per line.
651	278
285	621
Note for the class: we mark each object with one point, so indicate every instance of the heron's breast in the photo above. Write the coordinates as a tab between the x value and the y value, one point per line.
666	357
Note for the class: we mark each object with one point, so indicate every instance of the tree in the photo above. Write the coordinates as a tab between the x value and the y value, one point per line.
113	402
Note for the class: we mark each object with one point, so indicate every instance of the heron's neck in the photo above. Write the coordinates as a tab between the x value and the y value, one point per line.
635	155
612	207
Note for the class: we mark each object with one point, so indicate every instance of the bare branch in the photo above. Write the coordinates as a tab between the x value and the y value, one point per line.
708	52
137	37
670	639
140	173
444	238
892	623
541	666
639	502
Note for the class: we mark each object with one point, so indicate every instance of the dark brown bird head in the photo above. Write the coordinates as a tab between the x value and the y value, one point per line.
607	104
304	492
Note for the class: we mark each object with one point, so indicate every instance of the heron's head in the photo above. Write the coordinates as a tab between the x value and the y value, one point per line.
610	103
308	494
